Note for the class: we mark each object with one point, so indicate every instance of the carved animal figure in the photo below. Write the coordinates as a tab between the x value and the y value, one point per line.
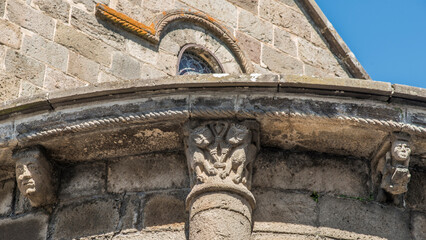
243	153
200	138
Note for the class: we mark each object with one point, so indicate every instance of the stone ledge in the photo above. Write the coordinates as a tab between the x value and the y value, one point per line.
409	92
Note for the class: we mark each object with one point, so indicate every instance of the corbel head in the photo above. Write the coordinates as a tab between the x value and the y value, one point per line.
34	175
400	149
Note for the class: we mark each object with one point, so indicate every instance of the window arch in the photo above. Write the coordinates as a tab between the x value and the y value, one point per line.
196	59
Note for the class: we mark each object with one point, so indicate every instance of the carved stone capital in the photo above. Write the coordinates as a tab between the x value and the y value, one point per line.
391	170
35	176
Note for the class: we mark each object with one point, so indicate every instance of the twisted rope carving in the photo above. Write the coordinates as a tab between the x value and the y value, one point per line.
216	114
154	31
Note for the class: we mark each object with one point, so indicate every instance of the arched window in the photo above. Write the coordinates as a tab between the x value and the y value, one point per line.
195	59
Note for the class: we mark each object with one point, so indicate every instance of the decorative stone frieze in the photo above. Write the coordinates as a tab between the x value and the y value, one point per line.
35	176
392	173
220	156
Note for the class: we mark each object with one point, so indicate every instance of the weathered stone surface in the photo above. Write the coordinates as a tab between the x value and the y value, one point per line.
143	50
167	63
163	211
249	5
90	4
105	77
409	92
133	9
27	17
58	9
365	218
22	204
125	67
3	49
150	72
9	87
416	195
316	173
2	7
284	41
83	180
6	196
56	80
24	68
166	235
280	62
250	46
286	17
317	56
137	174
275	206
86	219
255	27
33	226
97	28
291	3
11	34
46	51
418	221
220	9
29	89
83	44
284	236
83	68
131	219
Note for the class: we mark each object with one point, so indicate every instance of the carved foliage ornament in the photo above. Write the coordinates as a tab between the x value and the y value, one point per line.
222	152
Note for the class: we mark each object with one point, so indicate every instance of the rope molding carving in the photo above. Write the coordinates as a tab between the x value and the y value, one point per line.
215	113
153	32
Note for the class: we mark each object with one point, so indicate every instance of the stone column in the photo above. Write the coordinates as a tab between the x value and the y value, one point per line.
220	156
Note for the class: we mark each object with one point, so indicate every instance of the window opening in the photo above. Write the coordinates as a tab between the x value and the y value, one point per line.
195	59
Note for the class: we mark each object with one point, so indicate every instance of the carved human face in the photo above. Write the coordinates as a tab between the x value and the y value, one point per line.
34	178
202	136
401	150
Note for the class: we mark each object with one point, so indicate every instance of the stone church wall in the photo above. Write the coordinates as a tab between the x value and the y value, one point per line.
55	45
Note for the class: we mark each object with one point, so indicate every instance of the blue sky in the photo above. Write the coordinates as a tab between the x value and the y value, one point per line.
388	37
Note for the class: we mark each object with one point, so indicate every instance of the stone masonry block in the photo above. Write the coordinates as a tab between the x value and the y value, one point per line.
143	51
220	9
280	62
285	16
284	41
83	180
131	219
83	44
418	222
364	217
28	89
24	68
316	173
416	195
46	51
150	72
276	206
33	226
57	80
255	27
31	19
125	67
90	4
58	9
154	235
314	55
249	5
6	197
3	49
10	34
86	219
2	7
164	211
9	87
148	172
83	68
97	28
251	46
132	8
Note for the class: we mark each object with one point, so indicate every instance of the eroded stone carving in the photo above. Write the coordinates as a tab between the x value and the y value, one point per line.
221	151
393	169
34	175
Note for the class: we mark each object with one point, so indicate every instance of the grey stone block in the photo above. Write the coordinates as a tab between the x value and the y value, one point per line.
280	62
58	9
255	27
416	195
86	219
57	80
83	68
150	72
221	9
249	5
24	68
418	221
22	14
2	7
275	206
83	180
46	51
29	89
33	226
90	4
364	217
164	211
316	56
9	87
10	34
251	46
132	205
148	172
284	41
149	235
125	67
83	44
6	197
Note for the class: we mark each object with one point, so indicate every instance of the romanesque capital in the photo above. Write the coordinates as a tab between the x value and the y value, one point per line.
34	175
392	169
